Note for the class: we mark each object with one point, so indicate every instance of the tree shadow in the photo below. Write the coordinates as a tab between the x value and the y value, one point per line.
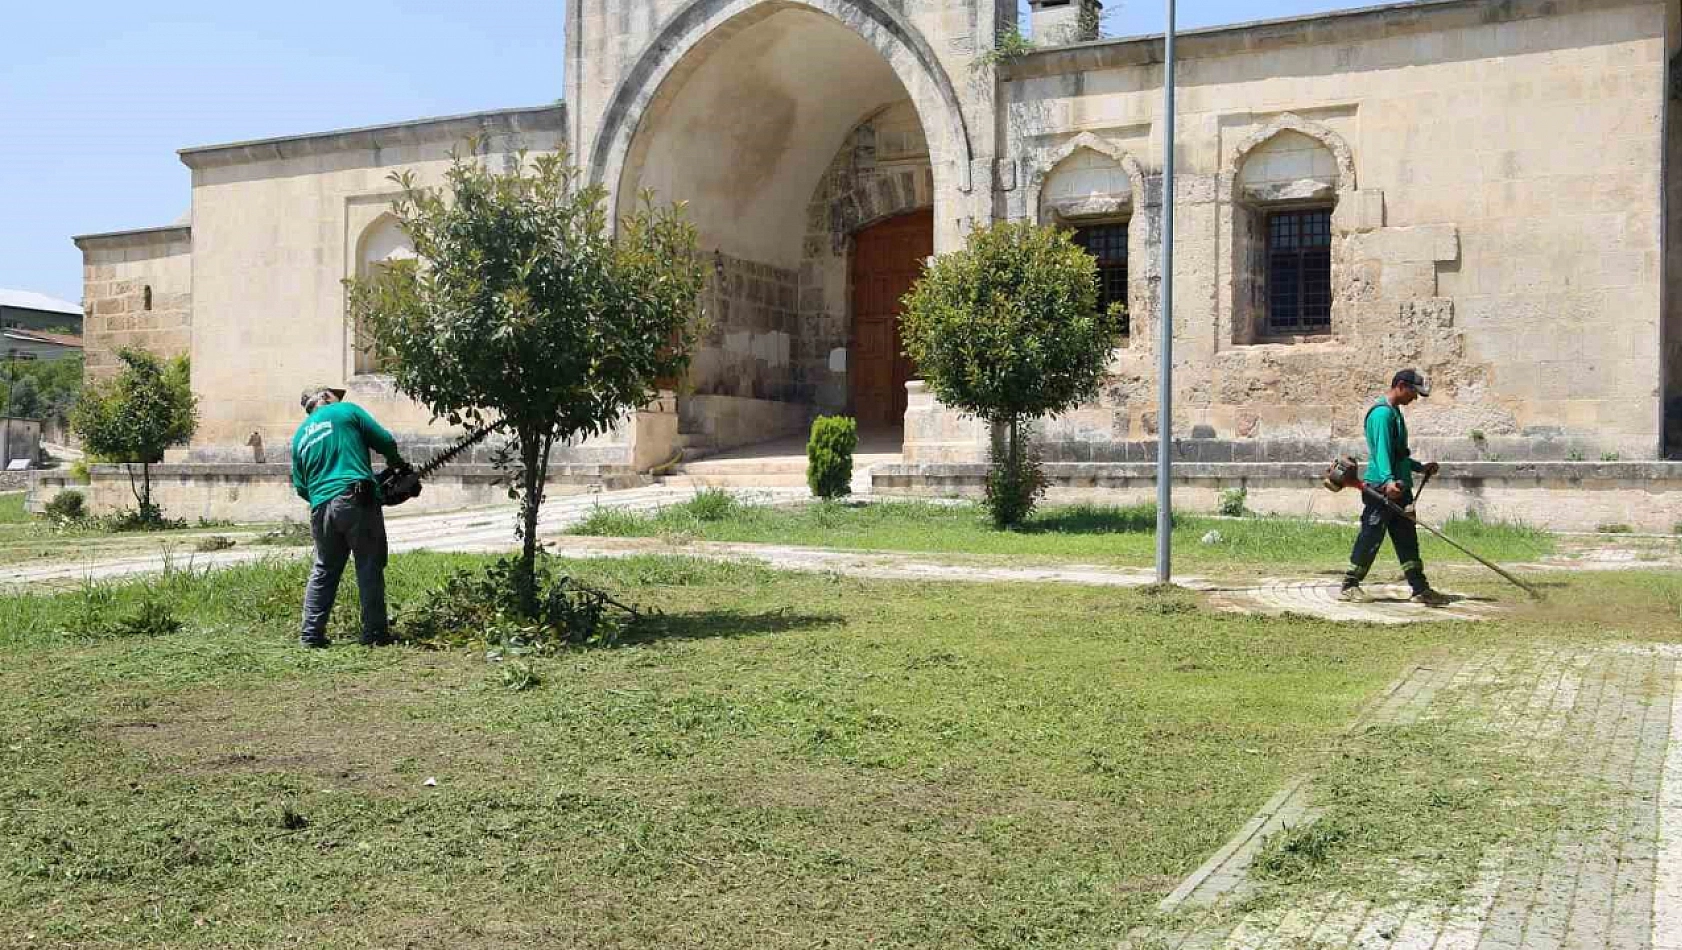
1091	519
731	624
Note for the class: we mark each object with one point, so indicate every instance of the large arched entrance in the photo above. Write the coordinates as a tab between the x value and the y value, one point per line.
807	168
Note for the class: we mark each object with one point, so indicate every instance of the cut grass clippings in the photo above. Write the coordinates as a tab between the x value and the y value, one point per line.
776	761
1090	533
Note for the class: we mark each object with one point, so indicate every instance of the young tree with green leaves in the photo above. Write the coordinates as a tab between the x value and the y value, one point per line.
1008	330
132	418
525	311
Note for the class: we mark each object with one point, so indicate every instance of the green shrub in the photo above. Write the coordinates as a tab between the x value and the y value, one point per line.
712	504
829	456
148	517
1608	456
216	542
612	523
1232	502
1015	482
67	506
95	615
1007	330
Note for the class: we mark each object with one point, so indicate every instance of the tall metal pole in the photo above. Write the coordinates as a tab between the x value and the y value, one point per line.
1165	346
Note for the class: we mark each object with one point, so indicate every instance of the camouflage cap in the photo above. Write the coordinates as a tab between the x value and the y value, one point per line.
307	398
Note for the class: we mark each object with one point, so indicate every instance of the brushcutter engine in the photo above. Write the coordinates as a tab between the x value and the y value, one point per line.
1343	473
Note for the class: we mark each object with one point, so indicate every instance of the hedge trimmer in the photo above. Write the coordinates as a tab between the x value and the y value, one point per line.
399	483
1346	473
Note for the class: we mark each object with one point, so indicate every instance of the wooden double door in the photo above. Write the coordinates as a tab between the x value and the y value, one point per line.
887	259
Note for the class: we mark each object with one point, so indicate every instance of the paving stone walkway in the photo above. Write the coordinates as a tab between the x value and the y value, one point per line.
1611	715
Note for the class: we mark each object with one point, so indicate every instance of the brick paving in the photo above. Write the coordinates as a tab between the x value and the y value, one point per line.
1610	714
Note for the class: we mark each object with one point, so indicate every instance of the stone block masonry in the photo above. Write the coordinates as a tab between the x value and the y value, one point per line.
138	292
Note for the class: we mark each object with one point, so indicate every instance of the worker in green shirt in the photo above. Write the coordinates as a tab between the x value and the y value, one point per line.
1390	471
330	470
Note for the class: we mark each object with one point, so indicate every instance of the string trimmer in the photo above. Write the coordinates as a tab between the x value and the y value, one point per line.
1346	473
399	483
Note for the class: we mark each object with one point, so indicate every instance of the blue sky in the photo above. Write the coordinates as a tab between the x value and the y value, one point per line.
94	101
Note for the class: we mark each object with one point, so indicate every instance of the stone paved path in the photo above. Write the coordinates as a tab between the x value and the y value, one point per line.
1612	714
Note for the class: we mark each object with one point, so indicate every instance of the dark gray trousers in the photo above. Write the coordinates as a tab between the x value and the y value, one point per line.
343	528
1377	520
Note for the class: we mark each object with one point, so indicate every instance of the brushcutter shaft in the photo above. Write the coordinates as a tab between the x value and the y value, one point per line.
1398	509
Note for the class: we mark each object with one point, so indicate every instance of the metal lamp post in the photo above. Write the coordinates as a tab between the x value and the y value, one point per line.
1165	346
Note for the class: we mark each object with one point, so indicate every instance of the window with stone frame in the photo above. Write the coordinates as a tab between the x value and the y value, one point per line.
1298	282
1107	243
1285	192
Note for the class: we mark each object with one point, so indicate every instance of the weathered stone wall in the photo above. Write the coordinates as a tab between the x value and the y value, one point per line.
1562	496
747	348
259	493
277	227
1495	171
713	423
137	288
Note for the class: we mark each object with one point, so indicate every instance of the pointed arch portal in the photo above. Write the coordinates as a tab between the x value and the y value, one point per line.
745	111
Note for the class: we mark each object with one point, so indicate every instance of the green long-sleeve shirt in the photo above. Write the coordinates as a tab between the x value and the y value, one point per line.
1389	458
330	452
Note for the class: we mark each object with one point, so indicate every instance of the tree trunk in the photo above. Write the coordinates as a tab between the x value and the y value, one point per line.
132	487
532	474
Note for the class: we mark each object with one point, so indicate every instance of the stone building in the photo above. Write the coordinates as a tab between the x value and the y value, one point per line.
1477	188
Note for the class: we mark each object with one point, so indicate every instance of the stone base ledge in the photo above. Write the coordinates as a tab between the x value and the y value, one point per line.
251	492
1567	496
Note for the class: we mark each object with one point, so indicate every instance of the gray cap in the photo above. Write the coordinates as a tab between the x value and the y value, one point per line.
1413	378
307	399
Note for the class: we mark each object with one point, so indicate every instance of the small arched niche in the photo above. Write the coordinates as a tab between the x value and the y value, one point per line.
383	244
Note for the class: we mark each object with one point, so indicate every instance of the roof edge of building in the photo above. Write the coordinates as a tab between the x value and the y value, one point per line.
387	135
1313	29
167	234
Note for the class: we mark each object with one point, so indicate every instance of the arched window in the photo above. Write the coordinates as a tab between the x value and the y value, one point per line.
1287	189
1091	193
383	244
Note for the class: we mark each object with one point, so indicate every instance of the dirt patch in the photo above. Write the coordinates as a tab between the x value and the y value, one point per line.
356	735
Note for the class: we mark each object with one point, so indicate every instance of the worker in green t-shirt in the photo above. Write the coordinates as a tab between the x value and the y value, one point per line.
330	470
1390	471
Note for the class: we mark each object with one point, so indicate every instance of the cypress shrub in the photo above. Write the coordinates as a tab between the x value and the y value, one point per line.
829	456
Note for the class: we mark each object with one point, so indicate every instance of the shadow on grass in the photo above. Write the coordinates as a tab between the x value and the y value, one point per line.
1093	519
730	624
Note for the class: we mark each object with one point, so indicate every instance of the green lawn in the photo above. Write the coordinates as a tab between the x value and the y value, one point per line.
777	761
11	508
1088	533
